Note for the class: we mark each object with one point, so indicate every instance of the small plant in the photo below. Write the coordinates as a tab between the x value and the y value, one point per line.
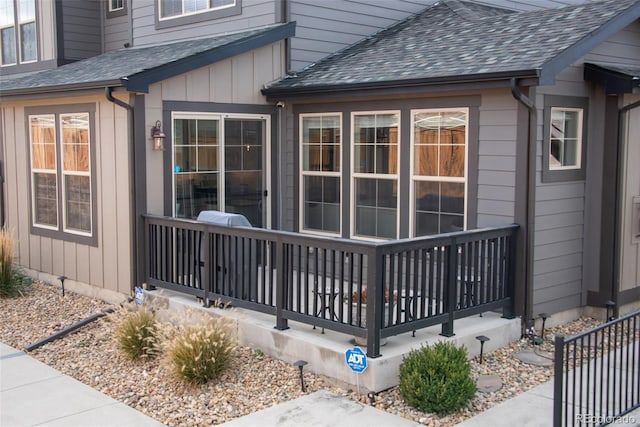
12	281
361	297
199	353
437	378
137	332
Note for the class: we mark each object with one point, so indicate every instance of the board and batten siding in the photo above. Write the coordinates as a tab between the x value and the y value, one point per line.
236	80
255	13
105	267
81	28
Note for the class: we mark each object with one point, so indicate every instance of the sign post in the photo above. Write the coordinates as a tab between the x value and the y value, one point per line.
356	360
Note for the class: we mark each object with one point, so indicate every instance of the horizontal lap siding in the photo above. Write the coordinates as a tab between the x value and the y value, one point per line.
497	159
255	13
106	266
81	27
116	32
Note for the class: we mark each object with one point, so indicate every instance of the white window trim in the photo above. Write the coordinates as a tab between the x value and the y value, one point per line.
422	178
579	140
266	172
48	171
354	175
304	173
183	14
74	173
116	9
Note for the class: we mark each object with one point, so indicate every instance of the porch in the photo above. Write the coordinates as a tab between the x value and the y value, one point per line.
368	290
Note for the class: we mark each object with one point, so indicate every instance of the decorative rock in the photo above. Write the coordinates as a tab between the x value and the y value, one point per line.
537	358
488	383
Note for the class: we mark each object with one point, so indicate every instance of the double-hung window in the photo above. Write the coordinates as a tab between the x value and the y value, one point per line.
320	176
439	170
62	198
375	174
175	8
18	40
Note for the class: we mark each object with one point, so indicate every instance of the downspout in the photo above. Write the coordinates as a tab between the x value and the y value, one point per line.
617	235
108	92
280	183
527	318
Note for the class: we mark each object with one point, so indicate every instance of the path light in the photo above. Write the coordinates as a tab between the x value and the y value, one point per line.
482	340
544	317
372	398
300	364
611	305
61	278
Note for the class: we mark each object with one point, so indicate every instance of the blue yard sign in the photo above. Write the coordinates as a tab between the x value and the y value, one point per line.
356	359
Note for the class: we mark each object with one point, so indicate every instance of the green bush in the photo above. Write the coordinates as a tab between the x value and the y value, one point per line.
437	378
137	332
12	281
199	353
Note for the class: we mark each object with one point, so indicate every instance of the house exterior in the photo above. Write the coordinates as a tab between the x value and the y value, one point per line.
370	121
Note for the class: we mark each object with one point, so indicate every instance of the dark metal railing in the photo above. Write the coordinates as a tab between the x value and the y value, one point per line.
597	374
367	289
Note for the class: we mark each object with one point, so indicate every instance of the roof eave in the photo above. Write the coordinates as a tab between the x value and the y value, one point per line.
140	82
530	75
61	88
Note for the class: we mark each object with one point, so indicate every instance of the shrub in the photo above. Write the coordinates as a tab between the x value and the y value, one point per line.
437	378
199	353
137	332
12	281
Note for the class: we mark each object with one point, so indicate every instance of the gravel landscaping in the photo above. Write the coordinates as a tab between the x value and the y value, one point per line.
254	381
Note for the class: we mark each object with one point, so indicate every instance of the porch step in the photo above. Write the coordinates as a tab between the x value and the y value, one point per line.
325	352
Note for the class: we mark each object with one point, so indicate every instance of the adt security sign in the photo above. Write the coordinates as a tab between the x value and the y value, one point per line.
356	359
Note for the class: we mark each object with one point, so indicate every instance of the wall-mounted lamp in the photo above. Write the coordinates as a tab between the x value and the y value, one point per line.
158	136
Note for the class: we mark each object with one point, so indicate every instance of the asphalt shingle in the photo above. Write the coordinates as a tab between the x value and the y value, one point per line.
455	38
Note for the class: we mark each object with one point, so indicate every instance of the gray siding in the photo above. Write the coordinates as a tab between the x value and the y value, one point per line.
81	29
255	13
328	26
117	29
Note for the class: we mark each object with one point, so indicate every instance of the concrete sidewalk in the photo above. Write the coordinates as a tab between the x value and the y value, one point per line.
34	394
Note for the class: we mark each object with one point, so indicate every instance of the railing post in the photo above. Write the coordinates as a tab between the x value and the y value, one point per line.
280	263
508	310
206	265
375	301
558	380
451	282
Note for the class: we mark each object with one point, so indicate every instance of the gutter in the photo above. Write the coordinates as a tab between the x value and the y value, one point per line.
528	248
60	88
108	92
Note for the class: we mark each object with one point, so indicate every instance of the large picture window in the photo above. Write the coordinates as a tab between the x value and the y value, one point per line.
320	177
439	170
62	199
18	41
375	174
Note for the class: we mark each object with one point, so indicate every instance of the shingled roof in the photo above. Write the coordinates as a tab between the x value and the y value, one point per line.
456	41
137	67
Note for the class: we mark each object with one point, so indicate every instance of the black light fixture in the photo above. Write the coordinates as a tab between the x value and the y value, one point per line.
610	305
61	278
300	364
482	340
158	136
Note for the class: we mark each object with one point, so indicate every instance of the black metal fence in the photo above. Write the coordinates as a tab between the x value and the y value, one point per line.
597	376
370	290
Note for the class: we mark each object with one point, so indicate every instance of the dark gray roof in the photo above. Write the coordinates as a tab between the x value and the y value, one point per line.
462	41
137	67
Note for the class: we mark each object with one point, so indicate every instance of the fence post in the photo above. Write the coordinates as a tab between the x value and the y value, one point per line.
508	311
558	380
281	298
375	300
451	282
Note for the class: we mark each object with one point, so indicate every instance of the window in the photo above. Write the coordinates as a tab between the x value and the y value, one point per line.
116	8
170	9
61	173
18	42
439	170
564	136
320	177
115	5
218	165
375	174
